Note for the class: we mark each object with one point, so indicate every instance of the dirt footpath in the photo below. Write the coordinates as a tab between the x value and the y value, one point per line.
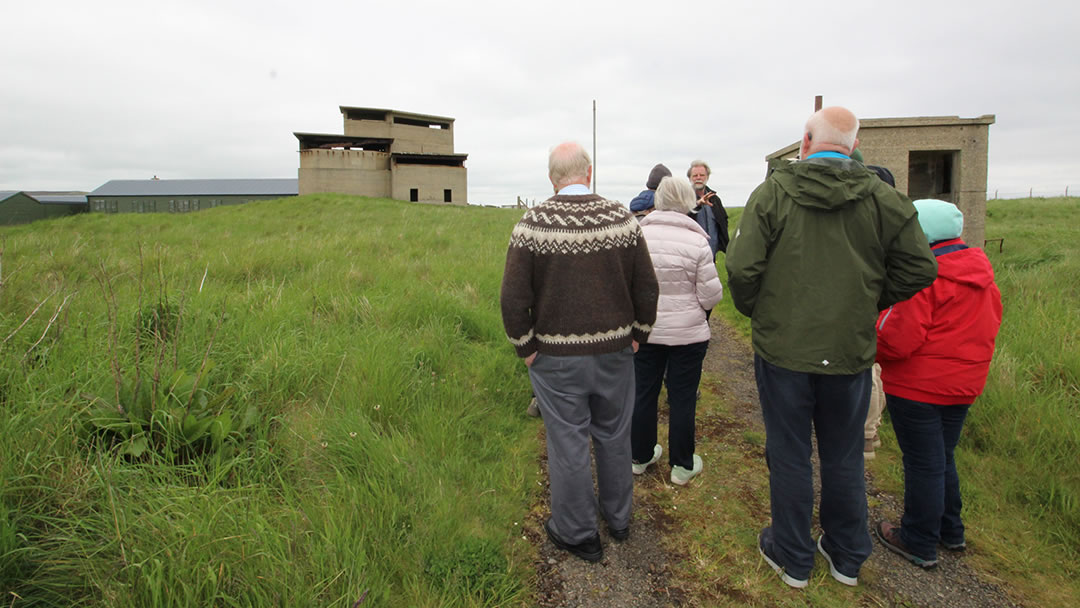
636	573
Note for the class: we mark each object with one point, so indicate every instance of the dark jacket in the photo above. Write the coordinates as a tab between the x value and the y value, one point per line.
714	221
936	347
644	201
822	246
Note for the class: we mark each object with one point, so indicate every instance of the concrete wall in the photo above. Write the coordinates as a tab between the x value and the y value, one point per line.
901	144
409	139
431	182
895	143
345	171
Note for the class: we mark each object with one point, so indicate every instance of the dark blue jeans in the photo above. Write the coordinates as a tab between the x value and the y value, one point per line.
794	405
927	435
682	364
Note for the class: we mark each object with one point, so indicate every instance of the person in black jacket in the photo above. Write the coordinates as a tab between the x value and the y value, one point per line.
709	212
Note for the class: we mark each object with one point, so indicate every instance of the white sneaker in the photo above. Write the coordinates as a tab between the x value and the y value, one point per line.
681	476
640	468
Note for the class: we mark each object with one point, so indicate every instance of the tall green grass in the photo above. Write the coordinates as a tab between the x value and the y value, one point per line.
1019	454
389	459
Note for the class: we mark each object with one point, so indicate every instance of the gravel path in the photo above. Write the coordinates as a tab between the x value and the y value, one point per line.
635	573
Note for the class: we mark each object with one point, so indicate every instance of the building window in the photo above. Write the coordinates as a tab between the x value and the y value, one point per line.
446	196
932	174
114	207
414	195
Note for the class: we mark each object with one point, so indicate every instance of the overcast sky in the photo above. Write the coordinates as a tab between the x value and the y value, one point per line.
93	91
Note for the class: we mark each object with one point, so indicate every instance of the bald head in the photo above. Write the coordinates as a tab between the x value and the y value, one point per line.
831	129
569	163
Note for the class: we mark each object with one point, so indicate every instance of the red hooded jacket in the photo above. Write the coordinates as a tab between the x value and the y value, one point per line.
936	347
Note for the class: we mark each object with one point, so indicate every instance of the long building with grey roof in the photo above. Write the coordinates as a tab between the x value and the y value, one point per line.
184	195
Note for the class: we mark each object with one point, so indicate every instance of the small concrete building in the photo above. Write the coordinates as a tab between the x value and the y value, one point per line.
18	207
387	154
184	195
942	157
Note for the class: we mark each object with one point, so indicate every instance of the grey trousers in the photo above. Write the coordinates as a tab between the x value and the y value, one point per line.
581	398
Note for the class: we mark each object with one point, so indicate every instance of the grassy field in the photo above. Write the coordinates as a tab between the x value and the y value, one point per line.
311	401
354	430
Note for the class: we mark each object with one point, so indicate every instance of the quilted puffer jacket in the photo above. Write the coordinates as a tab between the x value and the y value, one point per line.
689	284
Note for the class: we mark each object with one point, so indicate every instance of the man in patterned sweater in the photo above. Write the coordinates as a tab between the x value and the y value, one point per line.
578	296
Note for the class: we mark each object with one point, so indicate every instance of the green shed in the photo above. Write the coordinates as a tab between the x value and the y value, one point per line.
17	207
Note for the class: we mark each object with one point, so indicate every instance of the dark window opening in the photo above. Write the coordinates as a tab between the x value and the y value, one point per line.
398	120
932	174
358	114
414	195
446	196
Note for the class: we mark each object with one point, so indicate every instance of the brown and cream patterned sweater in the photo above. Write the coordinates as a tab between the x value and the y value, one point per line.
578	279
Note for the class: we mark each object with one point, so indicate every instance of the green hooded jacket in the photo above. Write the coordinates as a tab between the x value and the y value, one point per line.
822	246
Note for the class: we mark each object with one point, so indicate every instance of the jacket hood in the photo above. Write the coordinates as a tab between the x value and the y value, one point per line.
643	201
673	218
967	266
825	183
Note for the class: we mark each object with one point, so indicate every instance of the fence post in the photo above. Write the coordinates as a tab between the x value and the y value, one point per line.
1030	190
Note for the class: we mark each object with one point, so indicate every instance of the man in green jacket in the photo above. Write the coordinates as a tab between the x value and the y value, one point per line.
821	247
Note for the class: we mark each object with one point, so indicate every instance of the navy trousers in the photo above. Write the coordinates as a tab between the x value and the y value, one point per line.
682	365
927	435
794	405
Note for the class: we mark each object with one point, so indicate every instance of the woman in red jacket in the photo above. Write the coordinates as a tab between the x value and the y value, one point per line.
935	352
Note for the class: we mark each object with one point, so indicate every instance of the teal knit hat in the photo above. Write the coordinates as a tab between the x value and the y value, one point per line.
940	220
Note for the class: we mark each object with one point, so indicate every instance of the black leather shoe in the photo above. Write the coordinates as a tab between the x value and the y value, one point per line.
619	535
590	550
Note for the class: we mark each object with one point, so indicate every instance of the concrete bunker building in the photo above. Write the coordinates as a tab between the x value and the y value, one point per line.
942	157
388	154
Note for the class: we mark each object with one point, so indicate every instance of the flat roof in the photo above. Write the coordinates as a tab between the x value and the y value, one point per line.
457	160
911	121
329	141
198	187
346	110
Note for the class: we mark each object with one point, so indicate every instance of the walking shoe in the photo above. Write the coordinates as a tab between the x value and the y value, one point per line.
764	548
619	535
683	476
656	452
533	409
889	535
850	581
960	546
589	550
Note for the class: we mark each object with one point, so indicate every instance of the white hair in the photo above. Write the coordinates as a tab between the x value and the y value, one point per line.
699	163
567	163
675	194
833	125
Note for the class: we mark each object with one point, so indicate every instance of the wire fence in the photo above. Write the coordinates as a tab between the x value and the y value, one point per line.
1033	192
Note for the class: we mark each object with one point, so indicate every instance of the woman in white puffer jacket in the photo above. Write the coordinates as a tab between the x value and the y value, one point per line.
689	286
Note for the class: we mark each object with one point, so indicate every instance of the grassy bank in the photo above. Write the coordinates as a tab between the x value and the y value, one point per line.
346	424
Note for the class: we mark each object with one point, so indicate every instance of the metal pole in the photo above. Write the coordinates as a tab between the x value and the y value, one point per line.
594	146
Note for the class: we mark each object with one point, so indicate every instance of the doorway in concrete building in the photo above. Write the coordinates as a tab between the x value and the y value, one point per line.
933	174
